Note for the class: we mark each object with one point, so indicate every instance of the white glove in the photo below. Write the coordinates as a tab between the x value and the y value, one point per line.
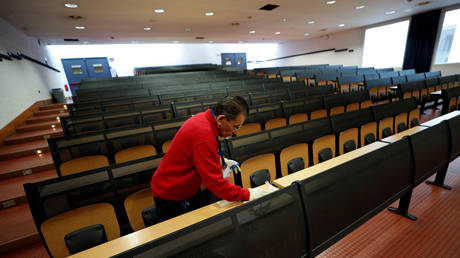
230	165
255	193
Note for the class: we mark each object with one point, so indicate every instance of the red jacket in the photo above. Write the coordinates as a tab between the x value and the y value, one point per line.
193	158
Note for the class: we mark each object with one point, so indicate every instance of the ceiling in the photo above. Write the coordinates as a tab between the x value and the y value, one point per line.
116	21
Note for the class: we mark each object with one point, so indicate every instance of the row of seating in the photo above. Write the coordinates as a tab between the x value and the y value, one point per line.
108	120
250	94
144	90
421	89
384	169
450	99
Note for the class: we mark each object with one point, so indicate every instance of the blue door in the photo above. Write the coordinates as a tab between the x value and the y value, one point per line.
77	69
233	59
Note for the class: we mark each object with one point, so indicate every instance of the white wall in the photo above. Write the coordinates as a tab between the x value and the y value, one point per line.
127	57
22	82
351	39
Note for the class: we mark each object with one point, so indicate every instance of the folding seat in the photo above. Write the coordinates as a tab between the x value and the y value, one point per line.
385	127
136	152
414	118
294	158
257	170
365	104
323	149
368	133
298	118
82	164
80	229
458	103
453	104
337	110
401	122
140	208
352	107
318	114
348	140
248	129
274	123
165	146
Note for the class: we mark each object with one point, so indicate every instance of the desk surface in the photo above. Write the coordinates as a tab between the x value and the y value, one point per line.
399	136
438	120
323	166
146	235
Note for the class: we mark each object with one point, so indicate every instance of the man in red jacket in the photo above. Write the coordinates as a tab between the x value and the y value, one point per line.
195	157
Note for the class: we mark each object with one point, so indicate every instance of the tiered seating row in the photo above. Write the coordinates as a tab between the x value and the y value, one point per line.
385	170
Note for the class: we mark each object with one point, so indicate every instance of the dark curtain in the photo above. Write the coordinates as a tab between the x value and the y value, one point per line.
421	38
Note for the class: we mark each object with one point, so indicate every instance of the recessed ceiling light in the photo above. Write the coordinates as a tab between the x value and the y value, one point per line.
283	19
147	28
311	22
159	10
209	14
188	29
80	27
407	10
211	41
277	33
252	31
240	41
390	12
341	25
85	42
330	2
175	41
70	5
134	42
360	7
306	34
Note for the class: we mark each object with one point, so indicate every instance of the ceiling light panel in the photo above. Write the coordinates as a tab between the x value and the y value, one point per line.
209	13
330	2
71	5
159	10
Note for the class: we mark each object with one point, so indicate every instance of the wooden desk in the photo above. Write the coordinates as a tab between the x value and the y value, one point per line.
146	235
438	120
321	167
399	136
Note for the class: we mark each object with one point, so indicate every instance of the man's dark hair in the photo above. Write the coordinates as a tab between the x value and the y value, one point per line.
231	107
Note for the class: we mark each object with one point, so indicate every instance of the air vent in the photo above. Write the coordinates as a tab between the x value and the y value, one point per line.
235	24
269	7
199	37
423	3
71	40
75	17
323	29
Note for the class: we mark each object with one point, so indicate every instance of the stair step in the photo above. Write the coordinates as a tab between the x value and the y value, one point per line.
47	118
52	106
12	190
23	149
25	165
36	249
37	126
33	136
17	227
50	112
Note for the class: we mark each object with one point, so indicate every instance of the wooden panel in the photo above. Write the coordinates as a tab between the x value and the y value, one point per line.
10	128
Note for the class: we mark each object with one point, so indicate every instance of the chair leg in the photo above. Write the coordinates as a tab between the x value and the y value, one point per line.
403	207
439	179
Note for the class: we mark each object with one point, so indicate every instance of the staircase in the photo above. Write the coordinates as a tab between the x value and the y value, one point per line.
24	158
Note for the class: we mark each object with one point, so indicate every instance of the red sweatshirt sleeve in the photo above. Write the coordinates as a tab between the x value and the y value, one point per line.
208	167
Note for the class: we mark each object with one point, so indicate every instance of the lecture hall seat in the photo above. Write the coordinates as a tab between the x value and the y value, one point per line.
365	104
386	127
348	140
352	107
256	170
140	208
337	110
248	129
165	146
323	149
275	123
318	114
298	118
368	133
414	118
401	122
133	153
82	164
80	229
294	158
